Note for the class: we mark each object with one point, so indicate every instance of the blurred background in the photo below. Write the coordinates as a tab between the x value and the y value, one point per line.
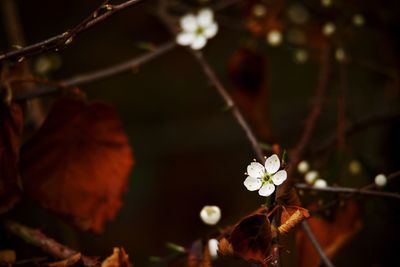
189	151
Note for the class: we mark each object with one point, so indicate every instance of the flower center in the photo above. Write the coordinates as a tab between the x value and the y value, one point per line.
199	31
266	178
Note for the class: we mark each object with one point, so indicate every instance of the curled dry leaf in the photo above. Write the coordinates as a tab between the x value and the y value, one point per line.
119	258
78	162
290	217
250	239
11	124
332	235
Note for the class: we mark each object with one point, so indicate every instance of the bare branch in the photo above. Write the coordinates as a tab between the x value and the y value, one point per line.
37	238
60	40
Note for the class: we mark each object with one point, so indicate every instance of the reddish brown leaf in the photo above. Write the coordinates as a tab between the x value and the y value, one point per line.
11	123
78	162
251	238
199	255
332	235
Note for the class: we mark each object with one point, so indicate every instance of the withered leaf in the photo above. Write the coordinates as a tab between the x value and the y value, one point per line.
119	258
199	255
251	238
77	164
11	123
71	261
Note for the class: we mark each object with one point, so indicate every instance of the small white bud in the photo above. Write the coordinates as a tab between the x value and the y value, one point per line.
340	55
326	3
213	248
354	167
259	10
380	180
328	29
358	20
320	183
303	166
210	214
274	38
311	176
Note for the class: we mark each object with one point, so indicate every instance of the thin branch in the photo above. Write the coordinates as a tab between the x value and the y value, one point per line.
364	123
37	238
95	75
338	189
316	245
60	40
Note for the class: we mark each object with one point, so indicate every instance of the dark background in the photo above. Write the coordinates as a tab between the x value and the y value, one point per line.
189	152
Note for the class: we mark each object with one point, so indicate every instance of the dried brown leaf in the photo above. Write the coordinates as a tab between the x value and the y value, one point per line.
119	258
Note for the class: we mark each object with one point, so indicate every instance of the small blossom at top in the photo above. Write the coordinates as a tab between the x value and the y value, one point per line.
380	180
213	248
320	183
328	29
196	30
274	37
303	166
265	177
326	3
210	214
311	176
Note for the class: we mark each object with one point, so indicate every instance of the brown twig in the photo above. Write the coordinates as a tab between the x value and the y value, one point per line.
95	75
338	189
49	245
61	39
315	243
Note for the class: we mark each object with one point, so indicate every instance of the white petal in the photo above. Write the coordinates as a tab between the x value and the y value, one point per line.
213	248
266	190
189	23
185	38
272	164
255	170
211	30
380	180
205	17
210	214
199	42
279	177
311	176
252	184
320	183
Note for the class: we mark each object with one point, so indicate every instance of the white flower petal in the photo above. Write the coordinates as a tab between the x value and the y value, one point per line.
213	248
380	180
311	176
255	170
266	190
185	38
279	177
210	214
320	183
252	184
189	23
205	17
211	30
199	42
272	164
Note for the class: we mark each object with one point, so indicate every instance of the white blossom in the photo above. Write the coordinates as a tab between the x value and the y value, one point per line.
274	37
354	167
358	20
213	248
320	183
328	29
210	214
303	166
265	177
340	55
326	3
311	176
196	30
380	180
300	56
